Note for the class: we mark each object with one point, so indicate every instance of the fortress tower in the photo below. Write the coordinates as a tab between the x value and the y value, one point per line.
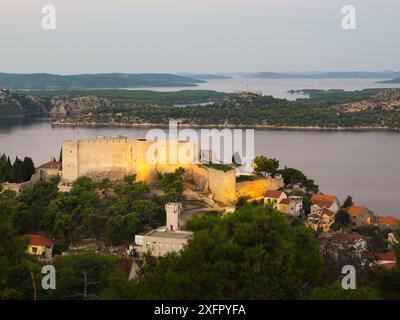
116	157
173	211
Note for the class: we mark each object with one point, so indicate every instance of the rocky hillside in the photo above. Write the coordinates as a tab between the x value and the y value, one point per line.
9	106
65	105
26	105
386	100
20	105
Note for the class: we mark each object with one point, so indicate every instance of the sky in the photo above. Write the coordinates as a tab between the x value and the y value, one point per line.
198	36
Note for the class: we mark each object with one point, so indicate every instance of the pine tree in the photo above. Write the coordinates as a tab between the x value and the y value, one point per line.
17	171
28	168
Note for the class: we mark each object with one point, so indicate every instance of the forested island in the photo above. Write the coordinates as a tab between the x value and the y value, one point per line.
45	81
365	109
396	80
372	109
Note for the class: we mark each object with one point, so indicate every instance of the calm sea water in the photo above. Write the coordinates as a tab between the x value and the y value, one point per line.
365	165
279	87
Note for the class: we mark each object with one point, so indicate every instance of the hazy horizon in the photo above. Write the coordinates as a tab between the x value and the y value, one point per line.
198	36
188	74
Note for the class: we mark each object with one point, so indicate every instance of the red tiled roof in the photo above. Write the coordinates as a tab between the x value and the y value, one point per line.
344	237
386	256
39	240
388	220
273	194
284	201
355	210
51	165
323	198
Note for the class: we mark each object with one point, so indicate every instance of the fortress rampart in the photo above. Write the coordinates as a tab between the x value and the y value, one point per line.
114	158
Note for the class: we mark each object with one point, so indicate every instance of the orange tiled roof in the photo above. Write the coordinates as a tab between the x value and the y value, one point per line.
273	194
388	220
284	201
355	210
387	256
323	198
344	237
39	240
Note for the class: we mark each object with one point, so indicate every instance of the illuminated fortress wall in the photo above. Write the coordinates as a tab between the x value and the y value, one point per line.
221	184
117	157
256	189
113	158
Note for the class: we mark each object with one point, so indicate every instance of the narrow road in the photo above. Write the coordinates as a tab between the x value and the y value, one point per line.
190	213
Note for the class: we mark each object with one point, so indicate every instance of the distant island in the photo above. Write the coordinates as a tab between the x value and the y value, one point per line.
326	75
44	81
368	109
205	76
51	103
396	80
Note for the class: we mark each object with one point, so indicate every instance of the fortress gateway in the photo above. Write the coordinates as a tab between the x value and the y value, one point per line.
114	158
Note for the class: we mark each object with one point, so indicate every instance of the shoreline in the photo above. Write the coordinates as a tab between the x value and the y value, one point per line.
227	126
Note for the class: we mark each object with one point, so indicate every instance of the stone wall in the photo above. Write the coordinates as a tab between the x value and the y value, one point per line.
116	157
256	189
221	184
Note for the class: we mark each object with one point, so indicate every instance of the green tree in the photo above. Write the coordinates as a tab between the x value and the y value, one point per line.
147	209
17	171
348	202
247	255
172	184
336	292
292	177
121	228
264	165
342	219
33	203
87	276
18	271
28	169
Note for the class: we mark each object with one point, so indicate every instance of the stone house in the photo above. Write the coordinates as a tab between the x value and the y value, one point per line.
295	206
272	198
40	246
321	220
387	222
360	216
320	201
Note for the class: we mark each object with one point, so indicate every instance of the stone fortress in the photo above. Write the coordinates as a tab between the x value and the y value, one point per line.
116	157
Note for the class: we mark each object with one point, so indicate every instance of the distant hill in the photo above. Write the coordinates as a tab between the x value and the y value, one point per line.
396	80
327	75
208	76
20	105
57	103
372	109
44	81
387	100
